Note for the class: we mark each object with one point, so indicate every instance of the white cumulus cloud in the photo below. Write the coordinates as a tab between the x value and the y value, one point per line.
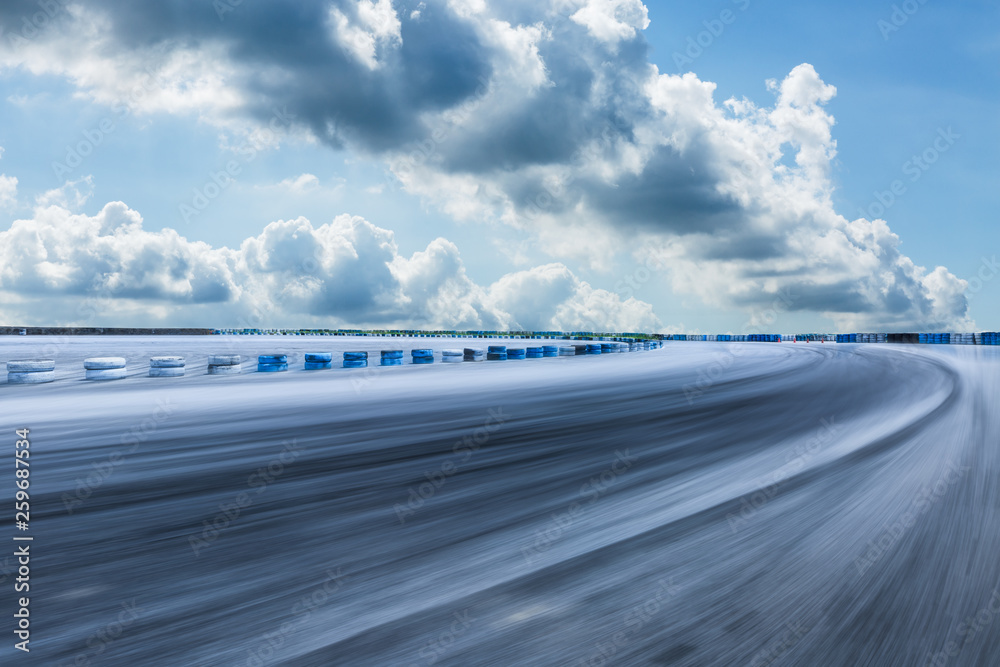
347	272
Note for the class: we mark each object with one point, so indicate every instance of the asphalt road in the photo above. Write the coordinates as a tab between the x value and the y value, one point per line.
702	504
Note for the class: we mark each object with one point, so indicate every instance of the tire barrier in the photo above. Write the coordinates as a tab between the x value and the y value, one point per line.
606	348
103	363
422	356
580	349
30	377
355	360
31	366
452	356
225	364
105	374
516	353
550	351
224	360
166	367
532	353
496	353
104	368
168	372
166	362
474	354
31	371
392	358
272	363
318	361
594	348
567	351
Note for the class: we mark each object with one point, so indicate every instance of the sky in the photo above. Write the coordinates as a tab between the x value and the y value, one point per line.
716	167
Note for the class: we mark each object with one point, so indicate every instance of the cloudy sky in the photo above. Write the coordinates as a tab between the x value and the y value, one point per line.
553	164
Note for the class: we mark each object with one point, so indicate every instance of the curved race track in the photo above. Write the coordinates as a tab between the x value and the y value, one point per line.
703	504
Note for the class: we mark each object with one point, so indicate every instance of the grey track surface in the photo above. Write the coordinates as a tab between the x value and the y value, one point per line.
796	508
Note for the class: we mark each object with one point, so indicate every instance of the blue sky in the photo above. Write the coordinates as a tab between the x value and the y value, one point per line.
638	177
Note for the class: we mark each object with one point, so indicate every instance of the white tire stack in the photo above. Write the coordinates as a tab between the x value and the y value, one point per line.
567	351
105	368
166	367
224	364
452	356
31	371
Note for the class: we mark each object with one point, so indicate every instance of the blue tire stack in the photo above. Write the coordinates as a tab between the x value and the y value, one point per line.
355	360
606	348
550	350
319	361
594	348
272	363
496	353
422	356
516	353
392	358
533	353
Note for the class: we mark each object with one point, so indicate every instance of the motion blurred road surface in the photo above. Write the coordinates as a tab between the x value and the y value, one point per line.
702	504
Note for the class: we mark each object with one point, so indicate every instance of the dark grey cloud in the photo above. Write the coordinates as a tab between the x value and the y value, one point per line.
673	193
439	63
